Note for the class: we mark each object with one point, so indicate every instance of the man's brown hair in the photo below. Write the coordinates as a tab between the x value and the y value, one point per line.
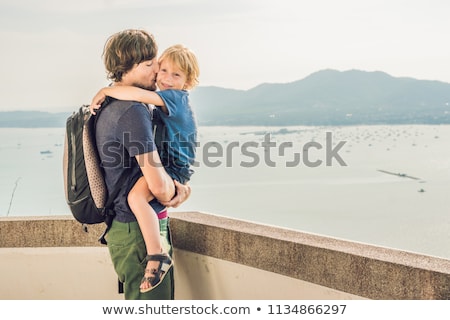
126	48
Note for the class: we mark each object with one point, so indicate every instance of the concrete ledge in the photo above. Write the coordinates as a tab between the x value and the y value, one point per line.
47	231
358	269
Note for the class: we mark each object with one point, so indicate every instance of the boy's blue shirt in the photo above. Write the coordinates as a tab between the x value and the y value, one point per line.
181	132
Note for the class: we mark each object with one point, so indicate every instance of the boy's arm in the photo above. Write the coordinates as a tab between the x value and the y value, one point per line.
126	93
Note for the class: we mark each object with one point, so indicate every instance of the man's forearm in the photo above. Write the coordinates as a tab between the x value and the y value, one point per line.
159	182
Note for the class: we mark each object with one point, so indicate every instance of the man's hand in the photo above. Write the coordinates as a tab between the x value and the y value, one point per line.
182	194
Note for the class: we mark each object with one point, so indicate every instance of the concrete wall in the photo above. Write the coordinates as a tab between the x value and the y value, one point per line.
215	258
86	273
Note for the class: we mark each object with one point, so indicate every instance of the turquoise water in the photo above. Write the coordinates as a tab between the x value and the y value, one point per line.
238	177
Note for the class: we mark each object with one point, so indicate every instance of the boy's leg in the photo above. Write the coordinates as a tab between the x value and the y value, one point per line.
138	200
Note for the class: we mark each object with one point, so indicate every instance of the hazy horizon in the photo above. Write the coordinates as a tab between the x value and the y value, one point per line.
425	84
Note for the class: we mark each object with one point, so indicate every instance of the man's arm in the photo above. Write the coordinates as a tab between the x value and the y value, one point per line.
183	193
159	182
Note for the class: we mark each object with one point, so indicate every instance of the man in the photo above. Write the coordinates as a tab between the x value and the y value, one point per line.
126	146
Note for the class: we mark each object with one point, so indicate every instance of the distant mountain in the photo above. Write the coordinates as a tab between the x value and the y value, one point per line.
327	97
33	119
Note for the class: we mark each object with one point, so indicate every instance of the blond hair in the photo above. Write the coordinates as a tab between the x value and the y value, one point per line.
186	60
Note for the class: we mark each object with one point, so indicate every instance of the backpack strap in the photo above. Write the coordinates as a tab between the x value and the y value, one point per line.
108	211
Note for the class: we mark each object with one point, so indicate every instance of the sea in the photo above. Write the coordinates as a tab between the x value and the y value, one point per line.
387	185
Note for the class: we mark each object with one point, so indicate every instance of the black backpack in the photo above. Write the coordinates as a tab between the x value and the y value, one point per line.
84	184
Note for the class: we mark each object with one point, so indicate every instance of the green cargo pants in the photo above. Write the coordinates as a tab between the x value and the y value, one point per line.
127	250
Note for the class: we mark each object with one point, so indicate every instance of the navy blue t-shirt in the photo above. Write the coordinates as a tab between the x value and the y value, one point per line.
124	130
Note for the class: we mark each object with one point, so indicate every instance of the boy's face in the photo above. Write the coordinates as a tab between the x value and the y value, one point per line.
170	76
142	75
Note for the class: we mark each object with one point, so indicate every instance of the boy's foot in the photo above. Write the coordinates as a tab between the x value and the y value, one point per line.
158	265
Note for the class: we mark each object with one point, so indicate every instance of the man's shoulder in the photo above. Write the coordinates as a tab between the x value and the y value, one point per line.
114	103
118	108
123	115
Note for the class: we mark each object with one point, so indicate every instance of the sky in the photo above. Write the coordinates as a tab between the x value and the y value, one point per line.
51	50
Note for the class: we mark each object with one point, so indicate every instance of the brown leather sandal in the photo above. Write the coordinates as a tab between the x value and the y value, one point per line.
165	263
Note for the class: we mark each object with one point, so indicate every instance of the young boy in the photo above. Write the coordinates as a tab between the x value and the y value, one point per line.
178	72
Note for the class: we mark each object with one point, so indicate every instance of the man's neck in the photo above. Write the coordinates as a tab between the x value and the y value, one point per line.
120	83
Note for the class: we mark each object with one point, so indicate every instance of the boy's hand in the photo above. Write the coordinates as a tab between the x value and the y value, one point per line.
97	101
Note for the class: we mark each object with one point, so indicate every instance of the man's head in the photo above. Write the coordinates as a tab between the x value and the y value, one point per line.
130	58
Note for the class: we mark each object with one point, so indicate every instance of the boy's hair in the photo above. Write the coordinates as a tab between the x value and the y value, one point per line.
186	60
126	48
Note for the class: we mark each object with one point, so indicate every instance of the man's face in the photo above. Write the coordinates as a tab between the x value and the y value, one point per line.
143	75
